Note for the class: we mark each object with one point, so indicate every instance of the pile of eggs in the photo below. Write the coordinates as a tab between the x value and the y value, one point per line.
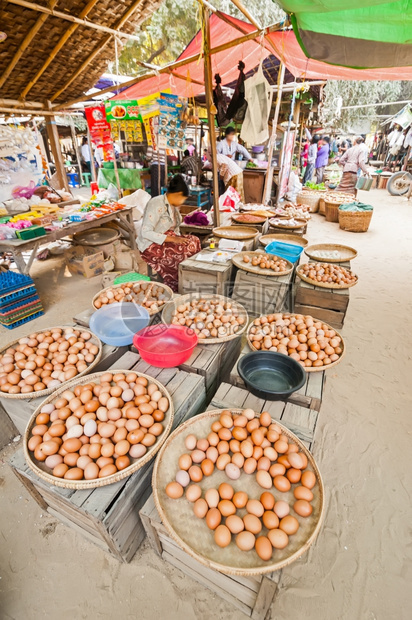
146	294
266	261
45	360
210	318
327	273
303	338
338	197
250	444
94	430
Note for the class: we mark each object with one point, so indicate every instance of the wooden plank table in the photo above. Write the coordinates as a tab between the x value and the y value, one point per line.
123	218
310	395
109	515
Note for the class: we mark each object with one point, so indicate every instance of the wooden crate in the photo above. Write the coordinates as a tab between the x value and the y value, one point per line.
109	516
310	395
327	304
197	276
262	294
20	411
252	595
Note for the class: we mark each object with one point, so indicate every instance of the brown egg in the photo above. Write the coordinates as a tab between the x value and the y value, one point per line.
265	419
226	491
72	445
249	466
107	429
252	523
174	490
57	430
303	493
308	479
107	470
281	446
222	536
207	467
278	538
200	508
122	462
281	483
293	475
254	507
277	469
95	450
71	459
193	492
195	473
263	548
60	470
226	507
235	524
240	499
289	525
281	508
264	479
302	508
39	430
34	441
49	447
270	520
213	518
198	456
245	541
122	447
74	473
295	460
267	500
246	448
257	437
212	498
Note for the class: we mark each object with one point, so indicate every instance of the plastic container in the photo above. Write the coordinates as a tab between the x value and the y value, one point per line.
31	233
271	375
165	346
117	323
288	251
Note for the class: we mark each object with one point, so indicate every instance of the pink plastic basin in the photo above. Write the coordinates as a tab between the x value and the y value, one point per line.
165	346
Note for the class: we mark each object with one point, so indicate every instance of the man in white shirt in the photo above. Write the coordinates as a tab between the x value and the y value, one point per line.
229	146
85	150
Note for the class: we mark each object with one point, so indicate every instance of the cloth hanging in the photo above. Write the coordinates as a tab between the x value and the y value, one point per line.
220	102
236	109
258	94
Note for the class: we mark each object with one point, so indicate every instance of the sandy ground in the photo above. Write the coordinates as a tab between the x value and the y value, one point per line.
360	566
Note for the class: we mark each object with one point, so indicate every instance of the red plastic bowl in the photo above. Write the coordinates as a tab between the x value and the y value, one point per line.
165	346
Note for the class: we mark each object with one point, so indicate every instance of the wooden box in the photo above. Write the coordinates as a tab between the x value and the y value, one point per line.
198	276
327	304
310	395
251	595
262	294
109	516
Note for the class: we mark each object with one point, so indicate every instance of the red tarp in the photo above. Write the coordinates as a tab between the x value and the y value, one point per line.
225	63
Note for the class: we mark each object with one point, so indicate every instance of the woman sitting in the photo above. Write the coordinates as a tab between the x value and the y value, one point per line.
159	242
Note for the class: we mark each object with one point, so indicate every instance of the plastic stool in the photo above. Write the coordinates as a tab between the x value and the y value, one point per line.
73	179
95	188
86	178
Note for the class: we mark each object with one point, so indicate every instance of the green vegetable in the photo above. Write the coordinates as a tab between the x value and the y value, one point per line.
314	185
251	164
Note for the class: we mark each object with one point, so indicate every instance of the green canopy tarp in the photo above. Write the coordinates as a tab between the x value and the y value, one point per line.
363	34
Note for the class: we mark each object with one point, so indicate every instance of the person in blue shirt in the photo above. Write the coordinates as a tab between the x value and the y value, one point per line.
229	146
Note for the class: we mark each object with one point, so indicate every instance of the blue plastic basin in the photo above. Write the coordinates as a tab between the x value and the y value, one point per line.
117	323
288	251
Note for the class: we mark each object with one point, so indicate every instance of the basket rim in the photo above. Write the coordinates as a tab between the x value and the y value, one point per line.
191	296
41	393
236	260
96	482
210	563
307	368
292	238
261	218
122	284
331	285
326	246
218	231
294	227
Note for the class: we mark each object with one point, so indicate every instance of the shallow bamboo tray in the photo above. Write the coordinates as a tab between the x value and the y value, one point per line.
169	310
237	260
301	224
309	368
151	284
193	535
296	239
236	219
346	252
94	339
325	284
235	232
41	470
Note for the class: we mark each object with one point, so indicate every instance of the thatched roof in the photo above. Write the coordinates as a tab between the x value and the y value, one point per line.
19	22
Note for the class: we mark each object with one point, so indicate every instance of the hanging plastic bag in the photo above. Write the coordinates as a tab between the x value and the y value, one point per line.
258	94
229	200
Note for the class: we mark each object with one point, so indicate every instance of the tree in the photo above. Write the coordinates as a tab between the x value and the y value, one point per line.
164	36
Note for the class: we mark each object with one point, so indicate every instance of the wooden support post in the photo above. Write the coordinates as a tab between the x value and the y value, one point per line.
92	162
210	116
285	146
53	136
76	149
269	173
116	172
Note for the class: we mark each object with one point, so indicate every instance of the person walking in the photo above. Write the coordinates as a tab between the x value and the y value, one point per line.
322	158
353	159
312	155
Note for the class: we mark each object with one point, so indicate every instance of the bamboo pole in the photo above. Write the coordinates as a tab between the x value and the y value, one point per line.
205	15
32	112
76	20
267	191
116	172
53	136
101	44
93	167
174	65
246	13
285	145
28	104
58	47
26	42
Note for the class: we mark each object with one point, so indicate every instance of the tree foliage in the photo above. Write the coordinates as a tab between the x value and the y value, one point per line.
338	94
164	36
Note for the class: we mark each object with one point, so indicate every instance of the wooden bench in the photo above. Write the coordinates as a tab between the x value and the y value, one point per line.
310	395
109	515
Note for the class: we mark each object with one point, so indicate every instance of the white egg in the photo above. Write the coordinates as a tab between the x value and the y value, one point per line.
90	428
47	408
75	431
128	395
182	477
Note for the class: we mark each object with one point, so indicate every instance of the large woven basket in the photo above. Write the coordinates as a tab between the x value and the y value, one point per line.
331	211
309	198
193	535
355	221
168	291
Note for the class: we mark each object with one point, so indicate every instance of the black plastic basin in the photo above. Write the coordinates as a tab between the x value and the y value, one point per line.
271	375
